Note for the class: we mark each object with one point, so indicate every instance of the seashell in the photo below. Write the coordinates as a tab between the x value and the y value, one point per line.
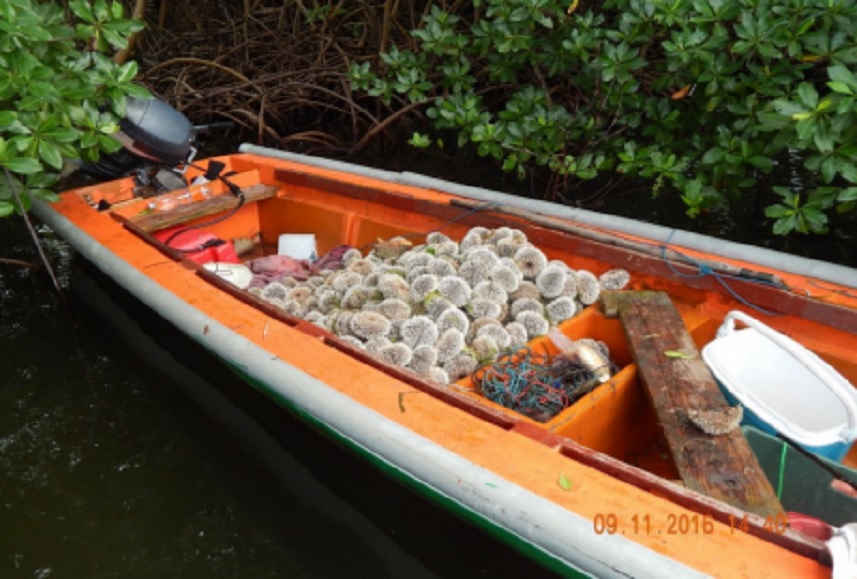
394	286
507	278
460	366
318	319
588	288
551	280
394	309
497	333
531	261
291	307
436	237
342	323
526	289
392	248
472	238
453	318
369	325
534	322
274	290
422	358
483	254
356	297
414	259
446	249
441	268
615	279
485	349
454	289
375	344
300	294
362	266
342	280
526	304
484	308
435	304
474	272
438	375
418	331
350	256
717	422
488	290
422	286
569	288
517	334
449	344
561	309
585	353
415	272
397	354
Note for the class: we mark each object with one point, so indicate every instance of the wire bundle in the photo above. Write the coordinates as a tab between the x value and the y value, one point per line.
536	385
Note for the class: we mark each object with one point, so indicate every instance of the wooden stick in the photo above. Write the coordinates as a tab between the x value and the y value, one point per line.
35	238
712	456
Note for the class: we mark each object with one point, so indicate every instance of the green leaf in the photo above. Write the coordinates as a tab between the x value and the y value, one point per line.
777	211
678	354
7	118
563	482
808	95
23	165
127	71
45	195
806	127
842	77
82	10
785	225
50	154
6	209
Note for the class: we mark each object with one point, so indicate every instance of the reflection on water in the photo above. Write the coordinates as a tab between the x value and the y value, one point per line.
119	462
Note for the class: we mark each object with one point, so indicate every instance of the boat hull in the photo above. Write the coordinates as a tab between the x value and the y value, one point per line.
399	434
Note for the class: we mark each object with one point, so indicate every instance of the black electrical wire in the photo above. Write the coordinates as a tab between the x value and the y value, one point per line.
235	190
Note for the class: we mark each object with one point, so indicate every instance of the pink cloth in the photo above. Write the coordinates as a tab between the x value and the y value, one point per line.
273	268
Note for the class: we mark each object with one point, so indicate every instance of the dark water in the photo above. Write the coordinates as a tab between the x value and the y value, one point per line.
116	461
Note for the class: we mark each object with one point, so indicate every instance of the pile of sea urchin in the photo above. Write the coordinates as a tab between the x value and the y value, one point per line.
444	308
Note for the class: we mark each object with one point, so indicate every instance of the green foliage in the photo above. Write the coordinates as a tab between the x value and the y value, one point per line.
700	96
60	96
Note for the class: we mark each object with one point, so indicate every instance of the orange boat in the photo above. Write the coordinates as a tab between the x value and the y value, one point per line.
621	474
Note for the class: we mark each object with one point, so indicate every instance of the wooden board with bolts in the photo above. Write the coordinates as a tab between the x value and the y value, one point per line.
708	448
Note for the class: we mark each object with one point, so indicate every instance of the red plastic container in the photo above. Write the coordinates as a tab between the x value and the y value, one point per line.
198	245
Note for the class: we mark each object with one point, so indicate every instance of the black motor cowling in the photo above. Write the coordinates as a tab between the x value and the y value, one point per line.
151	131
154	130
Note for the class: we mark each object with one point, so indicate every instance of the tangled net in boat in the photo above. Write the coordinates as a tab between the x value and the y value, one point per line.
534	384
443	308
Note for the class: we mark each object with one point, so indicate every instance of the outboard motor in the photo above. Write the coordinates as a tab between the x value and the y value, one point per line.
157	145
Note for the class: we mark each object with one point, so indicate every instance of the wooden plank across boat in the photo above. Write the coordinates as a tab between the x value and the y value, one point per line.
588	487
702	430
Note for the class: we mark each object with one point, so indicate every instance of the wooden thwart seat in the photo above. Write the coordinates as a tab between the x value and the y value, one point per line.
184	213
680	387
